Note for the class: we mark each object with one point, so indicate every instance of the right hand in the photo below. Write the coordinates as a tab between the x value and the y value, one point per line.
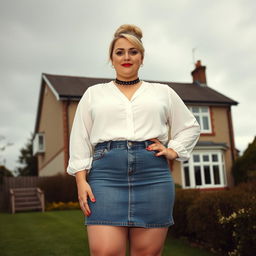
84	191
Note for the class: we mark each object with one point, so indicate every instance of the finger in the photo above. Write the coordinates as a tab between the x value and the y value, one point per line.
87	208
83	209
151	146
160	153
91	196
84	206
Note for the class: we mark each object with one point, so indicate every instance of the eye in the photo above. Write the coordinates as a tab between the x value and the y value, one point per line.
134	52
119	53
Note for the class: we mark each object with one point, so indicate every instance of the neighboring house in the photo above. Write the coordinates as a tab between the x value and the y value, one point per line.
210	164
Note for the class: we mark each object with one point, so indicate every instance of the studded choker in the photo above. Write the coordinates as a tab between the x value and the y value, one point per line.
127	82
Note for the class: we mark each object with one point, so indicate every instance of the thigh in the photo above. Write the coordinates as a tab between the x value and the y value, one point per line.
147	241
107	240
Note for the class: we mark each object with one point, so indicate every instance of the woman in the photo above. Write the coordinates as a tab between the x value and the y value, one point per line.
119	152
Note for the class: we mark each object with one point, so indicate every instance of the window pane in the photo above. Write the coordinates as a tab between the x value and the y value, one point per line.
195	109
196	158
205	123
204	109
214	157
185	162
198	120
186	175
207	175
41	142
206	158
198	178
216	174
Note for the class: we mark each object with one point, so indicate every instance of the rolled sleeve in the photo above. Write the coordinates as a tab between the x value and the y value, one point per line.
185	130
80	148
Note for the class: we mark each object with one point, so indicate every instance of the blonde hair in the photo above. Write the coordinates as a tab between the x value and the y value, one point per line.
130	32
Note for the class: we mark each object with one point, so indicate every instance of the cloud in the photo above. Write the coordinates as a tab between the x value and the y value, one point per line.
72	38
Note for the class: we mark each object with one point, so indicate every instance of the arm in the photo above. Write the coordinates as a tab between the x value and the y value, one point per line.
185	130
80	147
81	151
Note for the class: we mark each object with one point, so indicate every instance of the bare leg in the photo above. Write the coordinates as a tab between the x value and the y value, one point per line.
107	240
147	241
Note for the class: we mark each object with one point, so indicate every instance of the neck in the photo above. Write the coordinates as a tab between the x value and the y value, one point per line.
127	78
130	82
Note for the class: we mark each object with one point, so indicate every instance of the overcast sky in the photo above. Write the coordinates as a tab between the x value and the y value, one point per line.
72	38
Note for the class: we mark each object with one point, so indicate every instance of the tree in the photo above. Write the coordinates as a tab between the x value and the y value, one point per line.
4	172
28	161
244	168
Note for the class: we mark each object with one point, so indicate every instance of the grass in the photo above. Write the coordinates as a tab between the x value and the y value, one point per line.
60	233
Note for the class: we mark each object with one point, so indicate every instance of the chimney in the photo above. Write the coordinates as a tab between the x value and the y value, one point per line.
198	74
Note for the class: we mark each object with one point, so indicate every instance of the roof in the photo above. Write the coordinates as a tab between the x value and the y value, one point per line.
73	87
211	144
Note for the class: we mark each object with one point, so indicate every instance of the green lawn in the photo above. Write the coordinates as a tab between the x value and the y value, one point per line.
60	233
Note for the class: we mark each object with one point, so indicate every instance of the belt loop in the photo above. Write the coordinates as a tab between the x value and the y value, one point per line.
146	143
109	145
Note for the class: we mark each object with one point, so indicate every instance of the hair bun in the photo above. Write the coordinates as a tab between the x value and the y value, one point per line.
129	29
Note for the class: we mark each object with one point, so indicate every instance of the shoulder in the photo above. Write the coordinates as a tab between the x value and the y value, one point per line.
99	86
95	89
160	86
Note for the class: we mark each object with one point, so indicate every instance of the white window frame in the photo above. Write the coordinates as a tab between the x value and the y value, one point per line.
203	112
39	143
191	164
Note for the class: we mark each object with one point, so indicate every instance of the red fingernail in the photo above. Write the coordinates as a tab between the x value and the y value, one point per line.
93	200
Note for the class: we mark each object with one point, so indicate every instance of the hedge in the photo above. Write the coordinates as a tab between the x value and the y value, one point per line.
223	221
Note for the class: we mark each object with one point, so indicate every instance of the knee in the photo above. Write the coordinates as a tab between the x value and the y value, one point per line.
147	252
105	251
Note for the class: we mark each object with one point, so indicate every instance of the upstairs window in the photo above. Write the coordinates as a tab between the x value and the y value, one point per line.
39	144
203	117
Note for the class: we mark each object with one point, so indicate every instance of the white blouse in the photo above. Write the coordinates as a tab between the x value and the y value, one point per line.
104	113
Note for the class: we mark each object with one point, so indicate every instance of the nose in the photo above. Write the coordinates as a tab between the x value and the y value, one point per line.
126	56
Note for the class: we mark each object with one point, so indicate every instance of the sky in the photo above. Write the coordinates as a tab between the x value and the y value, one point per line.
72	38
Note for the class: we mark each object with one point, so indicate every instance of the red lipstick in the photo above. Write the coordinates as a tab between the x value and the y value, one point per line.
126	65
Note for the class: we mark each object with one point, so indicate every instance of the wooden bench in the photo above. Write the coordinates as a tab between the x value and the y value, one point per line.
24	199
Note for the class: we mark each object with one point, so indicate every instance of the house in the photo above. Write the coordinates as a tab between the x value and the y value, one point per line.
210	164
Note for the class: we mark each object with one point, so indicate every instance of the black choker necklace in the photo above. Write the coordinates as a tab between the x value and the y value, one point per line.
127	82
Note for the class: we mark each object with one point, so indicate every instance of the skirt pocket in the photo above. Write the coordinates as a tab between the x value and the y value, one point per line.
99	153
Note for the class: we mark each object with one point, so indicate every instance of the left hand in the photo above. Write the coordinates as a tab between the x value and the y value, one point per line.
169	153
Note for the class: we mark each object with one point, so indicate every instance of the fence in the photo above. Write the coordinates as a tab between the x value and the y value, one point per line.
56	188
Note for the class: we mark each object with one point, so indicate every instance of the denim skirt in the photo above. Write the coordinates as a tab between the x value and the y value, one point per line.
131	185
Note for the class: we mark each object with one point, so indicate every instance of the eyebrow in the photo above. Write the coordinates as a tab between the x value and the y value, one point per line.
128	49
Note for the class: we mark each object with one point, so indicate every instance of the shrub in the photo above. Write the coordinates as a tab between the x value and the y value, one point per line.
207	210
62	206
243	224
183	200
203	220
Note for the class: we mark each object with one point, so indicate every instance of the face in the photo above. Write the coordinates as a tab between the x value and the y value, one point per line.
126	59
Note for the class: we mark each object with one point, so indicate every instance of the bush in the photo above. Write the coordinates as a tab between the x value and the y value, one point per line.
243	225
203	220
61	206
205	217
183	200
